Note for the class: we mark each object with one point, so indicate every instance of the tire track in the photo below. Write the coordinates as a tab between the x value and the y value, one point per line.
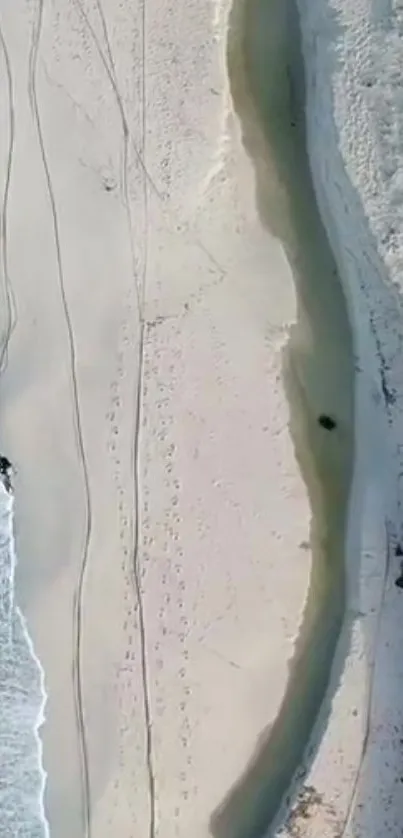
78	594
9	294
370	699
136	451
140	285
137	583
127	142
111	73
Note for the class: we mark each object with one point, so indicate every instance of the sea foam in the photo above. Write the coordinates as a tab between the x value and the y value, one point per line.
22	702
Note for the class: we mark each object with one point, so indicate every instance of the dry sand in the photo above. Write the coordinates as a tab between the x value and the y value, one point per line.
128	170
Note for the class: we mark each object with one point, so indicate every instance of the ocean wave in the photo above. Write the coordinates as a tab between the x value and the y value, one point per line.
22	697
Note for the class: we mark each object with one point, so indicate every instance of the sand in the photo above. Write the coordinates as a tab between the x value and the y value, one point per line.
353	786
165	665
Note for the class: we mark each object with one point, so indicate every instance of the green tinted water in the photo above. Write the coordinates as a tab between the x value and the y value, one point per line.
266	74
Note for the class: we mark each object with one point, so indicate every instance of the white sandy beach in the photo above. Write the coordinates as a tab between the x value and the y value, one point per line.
223	564
164	542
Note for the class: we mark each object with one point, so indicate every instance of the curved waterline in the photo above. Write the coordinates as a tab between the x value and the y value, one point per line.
266	76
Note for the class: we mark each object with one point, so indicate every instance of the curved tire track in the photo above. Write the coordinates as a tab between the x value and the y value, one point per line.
368	714
78	594
140	285
9	294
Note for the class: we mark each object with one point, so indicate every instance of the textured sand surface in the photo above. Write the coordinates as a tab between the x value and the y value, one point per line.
352	51
128	179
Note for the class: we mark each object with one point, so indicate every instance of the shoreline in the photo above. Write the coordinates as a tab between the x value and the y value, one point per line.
23	697
228	559
350	771
335	646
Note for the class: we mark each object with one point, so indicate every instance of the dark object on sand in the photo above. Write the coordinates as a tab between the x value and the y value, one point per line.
398	550
326	422
5	465
399	581
6	471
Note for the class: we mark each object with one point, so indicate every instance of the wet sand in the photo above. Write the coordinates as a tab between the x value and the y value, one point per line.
177	579
266	72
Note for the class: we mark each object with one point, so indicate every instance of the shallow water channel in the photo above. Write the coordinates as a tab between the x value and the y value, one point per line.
266	75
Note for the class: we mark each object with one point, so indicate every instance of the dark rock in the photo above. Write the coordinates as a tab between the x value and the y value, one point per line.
5	465
398	550
399	582
327	422
6	471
